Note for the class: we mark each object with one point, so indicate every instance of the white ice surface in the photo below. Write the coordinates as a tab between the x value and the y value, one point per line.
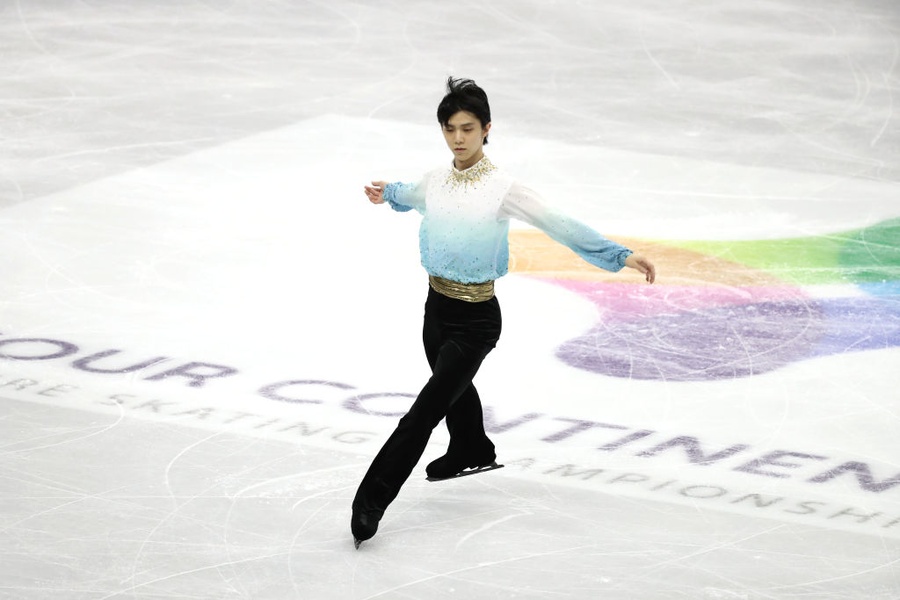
182	181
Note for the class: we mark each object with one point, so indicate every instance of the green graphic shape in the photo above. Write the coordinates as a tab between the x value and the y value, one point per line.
859	256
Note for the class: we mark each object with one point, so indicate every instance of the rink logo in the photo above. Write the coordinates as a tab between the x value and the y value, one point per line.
726	310
196	374
608	438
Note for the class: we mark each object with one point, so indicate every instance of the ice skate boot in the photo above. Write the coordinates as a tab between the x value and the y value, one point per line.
451	466
369	504
364	525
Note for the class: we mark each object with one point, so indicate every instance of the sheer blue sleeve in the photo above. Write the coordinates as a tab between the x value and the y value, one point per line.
405	196
525	205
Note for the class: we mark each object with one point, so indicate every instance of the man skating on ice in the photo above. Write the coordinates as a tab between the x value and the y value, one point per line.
466	209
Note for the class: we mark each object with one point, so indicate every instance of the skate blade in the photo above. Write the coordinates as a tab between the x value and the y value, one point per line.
357	543
468	472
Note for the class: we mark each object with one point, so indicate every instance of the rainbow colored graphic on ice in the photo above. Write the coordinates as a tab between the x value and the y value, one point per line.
721	310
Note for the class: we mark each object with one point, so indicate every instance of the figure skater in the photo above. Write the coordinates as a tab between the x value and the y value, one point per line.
466	208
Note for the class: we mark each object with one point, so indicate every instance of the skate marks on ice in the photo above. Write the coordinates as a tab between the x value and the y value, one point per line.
543	539
188	512
181	511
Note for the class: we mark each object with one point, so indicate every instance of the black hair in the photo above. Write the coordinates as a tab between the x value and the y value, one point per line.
464	94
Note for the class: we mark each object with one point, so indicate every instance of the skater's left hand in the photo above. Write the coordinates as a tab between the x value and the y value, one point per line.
636	261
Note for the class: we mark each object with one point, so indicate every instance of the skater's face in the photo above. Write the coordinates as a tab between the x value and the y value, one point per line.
465	135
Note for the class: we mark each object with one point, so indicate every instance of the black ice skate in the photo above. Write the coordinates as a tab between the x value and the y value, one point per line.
446	467
363	525
369	504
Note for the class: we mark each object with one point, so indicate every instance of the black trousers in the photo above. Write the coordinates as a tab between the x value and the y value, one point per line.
458	335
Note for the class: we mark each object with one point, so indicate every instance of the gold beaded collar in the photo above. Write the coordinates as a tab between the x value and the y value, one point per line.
472	175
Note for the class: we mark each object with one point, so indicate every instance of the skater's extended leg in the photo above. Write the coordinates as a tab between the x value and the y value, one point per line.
395	461
471	332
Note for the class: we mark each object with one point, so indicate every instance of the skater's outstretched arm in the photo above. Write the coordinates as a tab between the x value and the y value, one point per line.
401	196
526	205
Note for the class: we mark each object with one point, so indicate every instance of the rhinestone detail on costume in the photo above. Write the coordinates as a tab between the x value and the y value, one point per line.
470	176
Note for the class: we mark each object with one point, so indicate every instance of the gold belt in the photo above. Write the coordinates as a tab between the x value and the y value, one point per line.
469	292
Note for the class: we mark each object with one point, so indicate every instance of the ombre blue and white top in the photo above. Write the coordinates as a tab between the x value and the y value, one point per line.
464	232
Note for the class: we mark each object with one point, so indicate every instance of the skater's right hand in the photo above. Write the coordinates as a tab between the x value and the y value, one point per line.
375	192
